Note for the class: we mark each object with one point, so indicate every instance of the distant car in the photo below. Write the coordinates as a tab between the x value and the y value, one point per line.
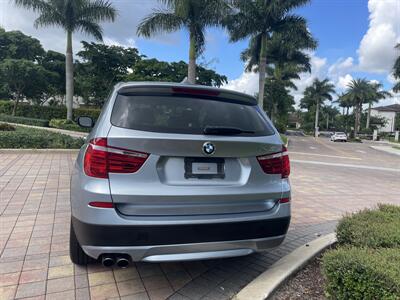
339	136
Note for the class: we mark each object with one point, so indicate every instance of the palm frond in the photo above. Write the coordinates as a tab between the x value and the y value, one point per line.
90	28
49	18
35	5
97	11
198	32
158	22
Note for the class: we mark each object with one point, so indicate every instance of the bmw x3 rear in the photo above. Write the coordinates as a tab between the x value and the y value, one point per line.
178	172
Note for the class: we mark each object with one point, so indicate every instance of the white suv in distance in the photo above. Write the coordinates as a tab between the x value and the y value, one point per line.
339	136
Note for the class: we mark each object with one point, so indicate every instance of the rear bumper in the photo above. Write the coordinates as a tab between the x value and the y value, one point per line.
181	242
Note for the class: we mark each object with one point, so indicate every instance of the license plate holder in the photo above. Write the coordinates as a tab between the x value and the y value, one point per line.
204	168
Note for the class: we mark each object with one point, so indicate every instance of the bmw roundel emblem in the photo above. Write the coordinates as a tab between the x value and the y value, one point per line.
208	148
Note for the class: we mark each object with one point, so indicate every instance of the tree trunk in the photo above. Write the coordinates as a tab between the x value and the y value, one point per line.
356	119
316	119
368	115
15	104
192	60
327	121
69	76
262	66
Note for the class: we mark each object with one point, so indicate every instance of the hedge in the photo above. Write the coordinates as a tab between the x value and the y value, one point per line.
46	112
37	138
67	125
371	228
24	120
362	273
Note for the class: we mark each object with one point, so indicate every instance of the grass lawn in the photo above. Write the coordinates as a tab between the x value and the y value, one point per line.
391	139
28	138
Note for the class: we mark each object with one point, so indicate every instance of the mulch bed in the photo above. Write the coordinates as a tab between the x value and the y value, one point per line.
308	283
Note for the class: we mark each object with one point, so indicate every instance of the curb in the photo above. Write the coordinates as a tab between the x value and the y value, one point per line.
74	134
388	149
38	150
265	284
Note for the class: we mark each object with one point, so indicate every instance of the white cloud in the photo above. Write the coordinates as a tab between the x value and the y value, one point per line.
128	43
376	51
343	81
246	83
341	67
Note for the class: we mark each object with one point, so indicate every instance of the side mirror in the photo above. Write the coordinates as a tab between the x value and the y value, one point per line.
85	122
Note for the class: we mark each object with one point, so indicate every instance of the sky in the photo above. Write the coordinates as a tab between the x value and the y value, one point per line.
356	39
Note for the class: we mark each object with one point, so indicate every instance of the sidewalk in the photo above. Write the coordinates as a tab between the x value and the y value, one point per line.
388	149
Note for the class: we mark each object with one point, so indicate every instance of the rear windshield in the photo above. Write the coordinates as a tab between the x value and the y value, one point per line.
186	115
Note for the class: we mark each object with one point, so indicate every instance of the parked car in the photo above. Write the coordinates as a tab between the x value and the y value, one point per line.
178	172
339	136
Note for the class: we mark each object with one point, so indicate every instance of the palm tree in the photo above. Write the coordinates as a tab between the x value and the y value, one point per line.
396	71
376	94
72	16
193	15
330	112
260	20
278	84
358	92
345	102
315	95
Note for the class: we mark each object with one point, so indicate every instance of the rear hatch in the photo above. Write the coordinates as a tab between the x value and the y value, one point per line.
201	151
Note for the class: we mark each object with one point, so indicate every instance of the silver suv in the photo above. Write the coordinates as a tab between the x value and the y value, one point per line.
178	172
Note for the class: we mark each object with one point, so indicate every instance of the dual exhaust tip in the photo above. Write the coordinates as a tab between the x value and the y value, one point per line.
121	261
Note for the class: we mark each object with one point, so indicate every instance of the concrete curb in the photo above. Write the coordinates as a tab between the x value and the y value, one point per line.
16	151
74	134
388	149
264	285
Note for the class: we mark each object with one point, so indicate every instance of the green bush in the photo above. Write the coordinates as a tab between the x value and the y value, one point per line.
46	112
37	138
371	228
6	127
362	273
23	120
67	125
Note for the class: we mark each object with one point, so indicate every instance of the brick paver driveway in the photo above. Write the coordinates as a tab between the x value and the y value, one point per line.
328	180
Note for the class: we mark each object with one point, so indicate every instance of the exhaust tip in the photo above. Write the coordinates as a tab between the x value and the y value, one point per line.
122	262
108	261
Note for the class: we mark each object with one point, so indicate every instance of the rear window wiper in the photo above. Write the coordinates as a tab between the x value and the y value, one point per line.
220	130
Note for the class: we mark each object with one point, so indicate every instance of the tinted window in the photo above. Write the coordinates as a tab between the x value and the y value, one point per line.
185	115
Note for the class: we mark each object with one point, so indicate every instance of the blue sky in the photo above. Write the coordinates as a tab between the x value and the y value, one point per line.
356	39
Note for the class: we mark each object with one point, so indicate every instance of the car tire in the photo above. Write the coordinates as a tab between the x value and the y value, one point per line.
76	253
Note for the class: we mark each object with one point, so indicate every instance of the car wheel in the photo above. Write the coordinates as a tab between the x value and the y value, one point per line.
76	253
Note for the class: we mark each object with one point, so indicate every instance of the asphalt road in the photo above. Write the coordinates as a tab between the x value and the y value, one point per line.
323	150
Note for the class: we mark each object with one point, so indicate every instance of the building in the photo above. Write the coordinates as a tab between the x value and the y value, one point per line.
389	112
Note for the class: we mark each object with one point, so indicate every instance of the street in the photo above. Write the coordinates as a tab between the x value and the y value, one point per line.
329	179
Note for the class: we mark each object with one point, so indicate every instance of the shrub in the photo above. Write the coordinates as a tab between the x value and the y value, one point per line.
371	228
280	126
38	138
6	127
23	120
46	112
66	124
362	273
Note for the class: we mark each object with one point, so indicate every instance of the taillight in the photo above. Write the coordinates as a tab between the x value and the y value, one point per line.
276	163
101	159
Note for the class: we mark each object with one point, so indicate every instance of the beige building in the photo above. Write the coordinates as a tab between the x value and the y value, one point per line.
389	112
